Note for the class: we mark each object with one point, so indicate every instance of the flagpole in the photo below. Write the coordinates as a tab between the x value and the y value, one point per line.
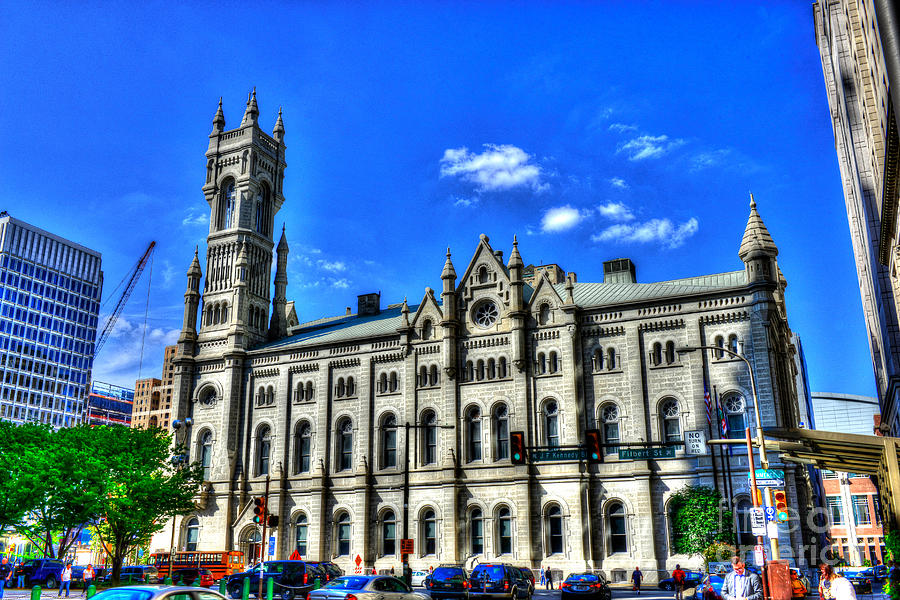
712	454
726	458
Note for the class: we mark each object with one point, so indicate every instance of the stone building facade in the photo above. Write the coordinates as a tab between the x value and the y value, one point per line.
394	422
153	397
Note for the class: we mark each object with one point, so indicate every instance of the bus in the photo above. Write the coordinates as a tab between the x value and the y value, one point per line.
221	564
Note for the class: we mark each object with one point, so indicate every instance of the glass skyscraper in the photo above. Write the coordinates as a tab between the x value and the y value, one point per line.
49	306
109	404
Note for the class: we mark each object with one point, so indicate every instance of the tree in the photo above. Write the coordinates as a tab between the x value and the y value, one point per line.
141	488
698	519
19	476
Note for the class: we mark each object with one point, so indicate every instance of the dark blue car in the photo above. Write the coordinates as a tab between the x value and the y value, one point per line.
691	580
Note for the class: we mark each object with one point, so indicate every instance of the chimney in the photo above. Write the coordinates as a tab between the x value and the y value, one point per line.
349	311
620	270
368	304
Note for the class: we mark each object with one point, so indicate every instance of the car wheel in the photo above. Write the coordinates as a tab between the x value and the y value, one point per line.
235	591
50	582
287	594
667	586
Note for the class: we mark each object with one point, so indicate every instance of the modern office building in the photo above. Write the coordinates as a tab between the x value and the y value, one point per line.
858	86
844	413
50	290
109	404
153	397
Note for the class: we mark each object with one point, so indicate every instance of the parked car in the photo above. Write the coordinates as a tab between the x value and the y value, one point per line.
332	571
40	571
292	578
418	578
585	586
496	581
365	587
710	588
78	575
529	575
146	592
188	576
450	583
136	574
691	580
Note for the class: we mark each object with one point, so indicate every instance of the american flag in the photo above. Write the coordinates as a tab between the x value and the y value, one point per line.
708	403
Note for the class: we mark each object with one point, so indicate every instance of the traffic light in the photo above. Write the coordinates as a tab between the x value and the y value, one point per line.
781	506
273	521
259	510
594	454
517	447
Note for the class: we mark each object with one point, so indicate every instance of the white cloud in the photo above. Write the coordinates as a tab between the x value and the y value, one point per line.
615	211
618	182
622	127
499	167
705	160
561	218
332	266
341	284
649	146
654	230
195	218
464	202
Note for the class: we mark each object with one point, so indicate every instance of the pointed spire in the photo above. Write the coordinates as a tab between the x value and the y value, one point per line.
252	112
515	259
282	243
449	272
757	239
194	269
219	119
570	289
404	312
278	132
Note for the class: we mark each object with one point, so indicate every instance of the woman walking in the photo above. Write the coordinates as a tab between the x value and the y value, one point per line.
543	577
833	586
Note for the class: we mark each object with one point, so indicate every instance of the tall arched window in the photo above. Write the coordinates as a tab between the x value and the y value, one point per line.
597	360
720	342
351	387
224	312
670	352
541	364
656	354
434	378
394	382
340	389
551	423
733	343
470	371
299	392
389	442
206	453
476	529
501	368
383	383
554	362
544	314
343	535
609	418
734	415
302	447
745	535
501	433
482	275
309	391
270	395
301	532
618	535
479	370
504	531
192	535
473	426
263	450
427	329
429	533
251	544
553	526
388	533
423	376
262	210
611	359
491	368
228	207
429	451
670	419
345	445
217	314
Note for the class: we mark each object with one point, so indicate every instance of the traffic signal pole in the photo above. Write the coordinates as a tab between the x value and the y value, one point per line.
264	546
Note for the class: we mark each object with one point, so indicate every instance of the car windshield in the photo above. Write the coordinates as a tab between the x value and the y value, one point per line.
124	594
493	573
446	574
590	577
347	583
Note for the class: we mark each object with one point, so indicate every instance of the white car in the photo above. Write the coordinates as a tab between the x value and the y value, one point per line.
418	578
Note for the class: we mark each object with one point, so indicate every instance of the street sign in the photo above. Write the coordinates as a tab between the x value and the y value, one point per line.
272	546
767	483
406	546
759	555
645	453
558	454
770	513
358	560
772	529
695	442
769	474
757	521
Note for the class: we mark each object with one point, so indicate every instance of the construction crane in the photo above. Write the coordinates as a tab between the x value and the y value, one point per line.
135	275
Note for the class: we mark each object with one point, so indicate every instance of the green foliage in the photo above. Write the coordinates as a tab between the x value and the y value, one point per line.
19	475
718	552
892	544
698	519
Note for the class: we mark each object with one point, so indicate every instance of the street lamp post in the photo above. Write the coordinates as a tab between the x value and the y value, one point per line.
761	440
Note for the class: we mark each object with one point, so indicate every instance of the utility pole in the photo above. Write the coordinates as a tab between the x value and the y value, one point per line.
264	546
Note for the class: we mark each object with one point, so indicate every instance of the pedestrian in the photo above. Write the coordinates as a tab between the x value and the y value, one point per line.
87	577
65	579
20	578
543	576
407	574
679	576
392	570
549	578
374	572
741	584
798	590
5	574
636	578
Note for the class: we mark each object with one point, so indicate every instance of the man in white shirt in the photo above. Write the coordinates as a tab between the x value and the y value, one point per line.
741	584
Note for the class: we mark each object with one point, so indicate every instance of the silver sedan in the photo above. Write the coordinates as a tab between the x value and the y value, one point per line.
366	587
155	592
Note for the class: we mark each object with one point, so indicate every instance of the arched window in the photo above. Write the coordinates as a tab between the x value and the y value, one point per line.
345	445
302	447
745	535
618	536
252	544
270	395
389	442
551	423
206	453
224	312
656	354
429	533
299	392
470	371
473	426
383	383
501	368
228	206
394	383
262	210
261	395
733	343
388	533
209	314
504	531
501	433
735	408
192	535
423	376
434	379
482	274
609	418
544	314
351	387
479	371
340	389
343	535
554	362
541	364
491	368
597	360
670	352
553	526
301	533
263	450
720	342
611	359
217	315
429	452
309	391
476	531
427	329
671	424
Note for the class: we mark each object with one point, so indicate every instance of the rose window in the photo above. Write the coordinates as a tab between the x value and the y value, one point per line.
486	314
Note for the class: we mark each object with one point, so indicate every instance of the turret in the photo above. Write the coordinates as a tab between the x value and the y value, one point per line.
448	295
219	119
758	250
278	323
278	131
251	114
191	300
516	268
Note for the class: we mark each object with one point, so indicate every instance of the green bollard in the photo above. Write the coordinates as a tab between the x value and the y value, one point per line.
317	583
270	588
223	587
169	580
91	591
245	591
36	593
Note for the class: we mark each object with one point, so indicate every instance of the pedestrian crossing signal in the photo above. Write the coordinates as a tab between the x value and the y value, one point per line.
781	506
259	510
517	447
594	455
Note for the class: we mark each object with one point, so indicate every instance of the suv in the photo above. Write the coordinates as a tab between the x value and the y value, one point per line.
292	578
136	574
500	582
332	571
40	571
448	582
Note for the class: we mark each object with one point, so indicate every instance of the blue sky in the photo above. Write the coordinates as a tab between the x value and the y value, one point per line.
590	130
